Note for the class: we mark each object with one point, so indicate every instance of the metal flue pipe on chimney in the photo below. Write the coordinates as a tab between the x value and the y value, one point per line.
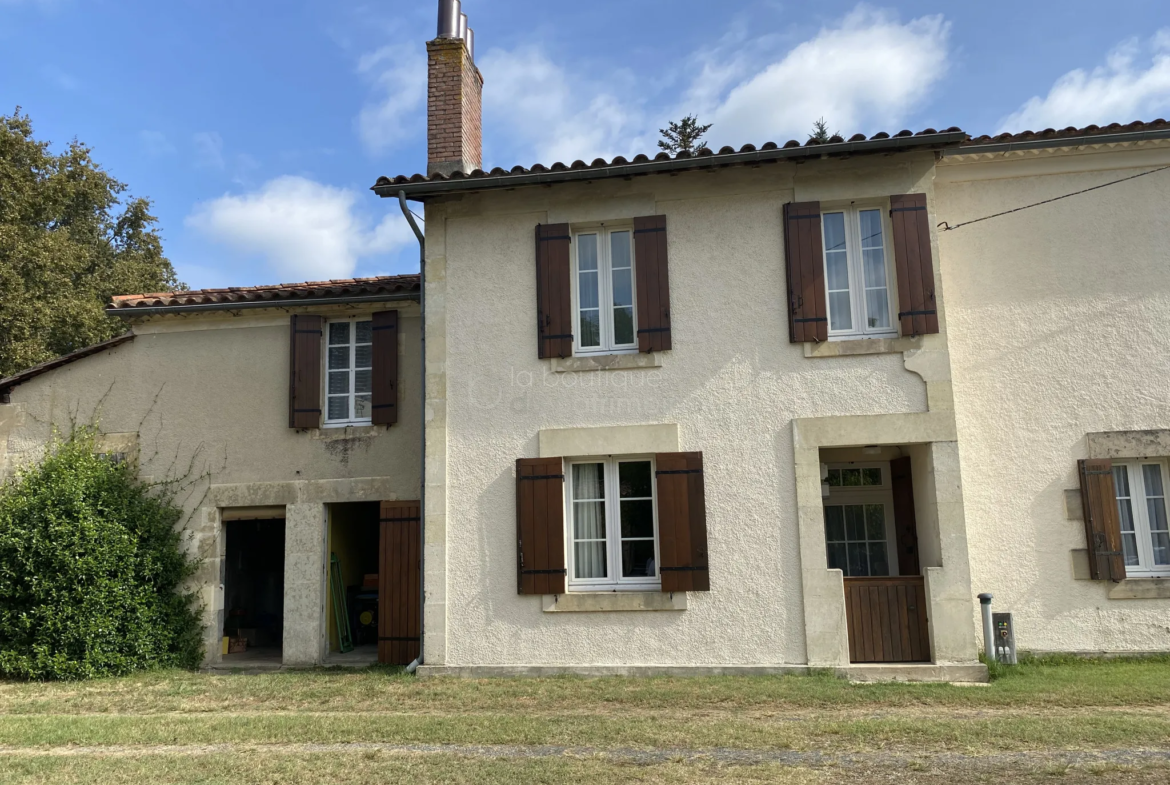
453	24
450	17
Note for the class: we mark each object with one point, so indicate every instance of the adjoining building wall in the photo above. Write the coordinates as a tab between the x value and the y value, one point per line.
206	398
732	384
1059	320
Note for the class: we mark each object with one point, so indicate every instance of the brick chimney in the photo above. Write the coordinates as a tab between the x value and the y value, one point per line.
454	96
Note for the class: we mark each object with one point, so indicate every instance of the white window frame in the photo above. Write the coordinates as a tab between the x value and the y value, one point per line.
1145	568
614	580
604	288
868	494
857	301
353	344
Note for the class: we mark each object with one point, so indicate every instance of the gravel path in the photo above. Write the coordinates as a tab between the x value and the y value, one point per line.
983	762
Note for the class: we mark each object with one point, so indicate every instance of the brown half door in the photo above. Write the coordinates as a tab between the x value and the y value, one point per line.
887	619
399	614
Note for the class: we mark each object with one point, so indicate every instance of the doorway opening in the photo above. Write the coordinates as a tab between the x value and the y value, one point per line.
871	535
353	601
253	624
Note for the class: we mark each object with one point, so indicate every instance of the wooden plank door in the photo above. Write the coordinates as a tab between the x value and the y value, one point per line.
887	619
399	615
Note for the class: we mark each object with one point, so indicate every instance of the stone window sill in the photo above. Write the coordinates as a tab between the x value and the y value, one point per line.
344	432
858	346
610	601
606	362
1141	589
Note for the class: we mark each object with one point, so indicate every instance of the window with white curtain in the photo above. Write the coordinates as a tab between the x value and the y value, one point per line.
603	290
612	524
1141	509
349	376
856	272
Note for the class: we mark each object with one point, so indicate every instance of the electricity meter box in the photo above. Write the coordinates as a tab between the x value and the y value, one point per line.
1005	638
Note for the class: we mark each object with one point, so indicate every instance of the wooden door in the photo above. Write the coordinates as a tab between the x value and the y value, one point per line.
399	614
887	619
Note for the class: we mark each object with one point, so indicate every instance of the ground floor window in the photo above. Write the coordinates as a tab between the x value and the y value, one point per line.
612	524
859	520
1141	506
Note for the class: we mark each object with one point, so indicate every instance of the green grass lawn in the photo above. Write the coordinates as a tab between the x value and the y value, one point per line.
586	728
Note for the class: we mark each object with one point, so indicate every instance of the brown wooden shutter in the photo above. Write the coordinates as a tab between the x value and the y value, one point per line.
905	521
652	282
305	359
1102	526
385	349
399	557
914	264
682	522
805	260
554	305
540	525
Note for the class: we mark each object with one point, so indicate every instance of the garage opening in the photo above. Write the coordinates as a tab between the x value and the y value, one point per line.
352	607
253	624
373	612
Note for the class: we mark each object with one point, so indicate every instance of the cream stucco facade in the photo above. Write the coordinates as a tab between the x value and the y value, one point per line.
758	407
1049	350
204	397
1058	318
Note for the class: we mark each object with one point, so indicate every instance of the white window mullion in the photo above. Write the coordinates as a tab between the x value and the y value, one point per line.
614	520
603	289
856	279
352	373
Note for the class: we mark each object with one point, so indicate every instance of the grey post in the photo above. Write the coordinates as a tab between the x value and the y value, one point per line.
988	632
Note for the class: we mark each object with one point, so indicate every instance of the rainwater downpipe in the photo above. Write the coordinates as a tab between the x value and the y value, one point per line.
422	430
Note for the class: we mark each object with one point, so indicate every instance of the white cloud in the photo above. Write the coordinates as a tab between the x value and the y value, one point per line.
394	113
534	108
155	143
209	149
1121	90
867	73
304	229
60	78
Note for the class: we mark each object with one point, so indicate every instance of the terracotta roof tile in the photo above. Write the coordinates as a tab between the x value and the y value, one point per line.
1070	132
705	157
601	163
310	290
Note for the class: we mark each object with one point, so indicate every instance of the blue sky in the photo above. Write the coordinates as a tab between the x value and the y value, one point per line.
257	127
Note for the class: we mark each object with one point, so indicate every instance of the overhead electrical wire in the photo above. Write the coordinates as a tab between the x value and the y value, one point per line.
947	227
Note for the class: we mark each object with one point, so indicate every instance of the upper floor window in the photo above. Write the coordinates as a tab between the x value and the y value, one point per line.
603	272
349	372
856	278
613	525
1141	507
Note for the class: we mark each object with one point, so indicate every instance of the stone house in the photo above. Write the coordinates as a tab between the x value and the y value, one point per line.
747	410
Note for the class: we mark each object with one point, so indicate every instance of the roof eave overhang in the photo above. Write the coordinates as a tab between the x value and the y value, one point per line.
10	382
422	190
155	310
1070	141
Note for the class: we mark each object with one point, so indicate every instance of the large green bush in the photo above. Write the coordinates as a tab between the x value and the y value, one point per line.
91	570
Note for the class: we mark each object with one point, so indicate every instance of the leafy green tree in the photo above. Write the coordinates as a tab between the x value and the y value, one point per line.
91	570
685	136
820	132
68	242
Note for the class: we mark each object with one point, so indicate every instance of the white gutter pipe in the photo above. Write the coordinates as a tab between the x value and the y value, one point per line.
422	429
